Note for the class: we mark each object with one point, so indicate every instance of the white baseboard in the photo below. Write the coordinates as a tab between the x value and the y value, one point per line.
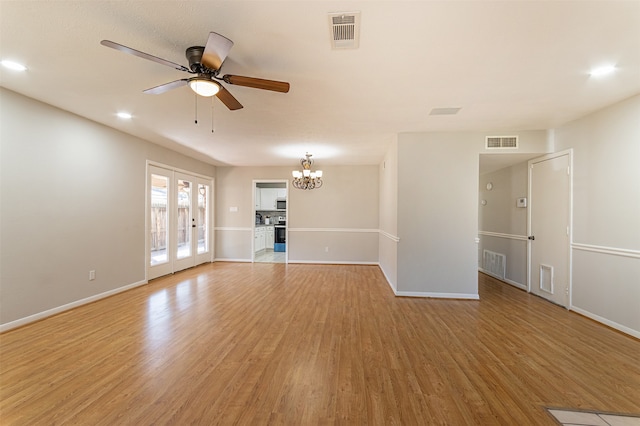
506	280
387	278
598	318
50	312
516	284
428	294
222	259
438	295
332	262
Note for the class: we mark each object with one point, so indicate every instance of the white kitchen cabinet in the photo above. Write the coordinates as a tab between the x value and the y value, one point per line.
263	238
269	237
259	239
282	192
268	197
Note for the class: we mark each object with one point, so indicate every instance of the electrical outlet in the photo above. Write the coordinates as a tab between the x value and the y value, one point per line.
92	275
326	249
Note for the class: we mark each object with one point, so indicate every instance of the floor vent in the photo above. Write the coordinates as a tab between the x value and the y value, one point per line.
494	264
546	278
345	30
501	142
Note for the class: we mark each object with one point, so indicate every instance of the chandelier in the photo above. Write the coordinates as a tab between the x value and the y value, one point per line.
306	179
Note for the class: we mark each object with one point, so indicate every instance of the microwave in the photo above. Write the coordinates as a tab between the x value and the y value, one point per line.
281	203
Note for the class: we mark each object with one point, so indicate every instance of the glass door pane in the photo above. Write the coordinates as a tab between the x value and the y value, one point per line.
159	224
159	220
179	207
203	218
185	219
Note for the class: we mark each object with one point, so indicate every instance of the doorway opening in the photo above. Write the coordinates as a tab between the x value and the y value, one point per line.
524	222
502	216
270	225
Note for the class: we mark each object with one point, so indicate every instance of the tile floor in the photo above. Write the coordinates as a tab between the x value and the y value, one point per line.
270	256
591	418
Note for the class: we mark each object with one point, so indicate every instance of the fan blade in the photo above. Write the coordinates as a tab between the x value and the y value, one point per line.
227	98
216	51
143	55
166	87
257	83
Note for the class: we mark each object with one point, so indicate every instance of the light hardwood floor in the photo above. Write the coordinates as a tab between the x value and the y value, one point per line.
256	344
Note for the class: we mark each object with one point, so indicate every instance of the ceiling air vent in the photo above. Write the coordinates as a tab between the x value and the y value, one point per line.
501	142
444	111
345	30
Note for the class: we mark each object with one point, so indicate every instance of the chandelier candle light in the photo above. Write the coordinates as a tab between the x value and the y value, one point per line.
306	179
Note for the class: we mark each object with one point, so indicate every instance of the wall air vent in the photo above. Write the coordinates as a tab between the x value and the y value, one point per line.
345	30
494	264
501	142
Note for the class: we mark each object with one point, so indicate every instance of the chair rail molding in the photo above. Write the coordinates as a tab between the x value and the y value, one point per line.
501	235
390	236
615	251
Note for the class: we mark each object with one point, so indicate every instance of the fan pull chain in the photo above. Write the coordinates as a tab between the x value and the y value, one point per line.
195	97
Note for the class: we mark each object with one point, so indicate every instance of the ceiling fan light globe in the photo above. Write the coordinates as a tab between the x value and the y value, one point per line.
205	88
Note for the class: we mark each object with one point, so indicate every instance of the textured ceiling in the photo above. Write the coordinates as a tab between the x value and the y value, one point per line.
509	65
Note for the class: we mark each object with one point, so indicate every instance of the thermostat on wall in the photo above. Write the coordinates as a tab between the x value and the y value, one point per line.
522	202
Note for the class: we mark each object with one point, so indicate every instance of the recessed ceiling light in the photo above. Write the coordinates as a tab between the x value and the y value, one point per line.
13	65
599	72
124	115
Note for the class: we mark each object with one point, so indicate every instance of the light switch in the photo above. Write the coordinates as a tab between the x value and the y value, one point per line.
233	209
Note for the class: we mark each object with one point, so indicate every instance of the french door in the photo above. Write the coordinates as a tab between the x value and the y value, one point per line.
179	218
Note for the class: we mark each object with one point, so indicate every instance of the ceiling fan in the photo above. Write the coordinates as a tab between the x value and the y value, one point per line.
205	62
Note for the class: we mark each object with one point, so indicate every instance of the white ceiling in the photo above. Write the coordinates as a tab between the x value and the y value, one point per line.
509	65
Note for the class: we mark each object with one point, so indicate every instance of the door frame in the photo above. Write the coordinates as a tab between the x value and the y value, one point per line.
254	186
171	170
569	257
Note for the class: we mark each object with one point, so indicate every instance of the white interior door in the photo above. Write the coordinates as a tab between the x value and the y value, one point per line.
550	227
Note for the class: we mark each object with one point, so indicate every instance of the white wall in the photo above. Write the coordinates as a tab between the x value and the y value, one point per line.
388	238
341	215
606	213
503	225
438	210
72	200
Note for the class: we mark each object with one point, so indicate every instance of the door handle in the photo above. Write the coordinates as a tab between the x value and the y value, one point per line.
532	237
